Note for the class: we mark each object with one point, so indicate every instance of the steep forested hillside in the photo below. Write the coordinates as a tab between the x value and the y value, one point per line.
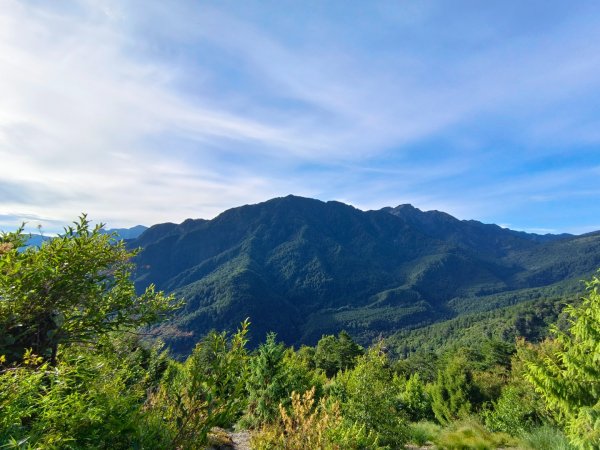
530	319
302	268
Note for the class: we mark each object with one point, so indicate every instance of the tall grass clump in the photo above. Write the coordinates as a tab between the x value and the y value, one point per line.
420	433
547	438
469	434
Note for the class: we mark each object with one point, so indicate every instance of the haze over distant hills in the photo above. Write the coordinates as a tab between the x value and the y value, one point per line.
302	267
120	233
127	233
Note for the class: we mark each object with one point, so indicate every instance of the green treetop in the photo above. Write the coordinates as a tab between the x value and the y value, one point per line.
568	377
73	288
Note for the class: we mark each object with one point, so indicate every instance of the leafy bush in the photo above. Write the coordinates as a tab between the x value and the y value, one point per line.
205	391
368	397
267	383
73	288
452	391
274	373
69	378
513	413
90	399
568	376
414	399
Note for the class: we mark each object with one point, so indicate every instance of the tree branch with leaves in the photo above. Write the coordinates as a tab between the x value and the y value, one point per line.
71	289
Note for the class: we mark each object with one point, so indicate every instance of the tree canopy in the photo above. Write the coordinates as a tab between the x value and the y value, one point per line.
72	288
567	373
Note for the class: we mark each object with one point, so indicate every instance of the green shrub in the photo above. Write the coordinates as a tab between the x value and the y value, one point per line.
88	400
513	413
204	392
266	384
73	374
452	390
368	397
568	374
308	425
414	398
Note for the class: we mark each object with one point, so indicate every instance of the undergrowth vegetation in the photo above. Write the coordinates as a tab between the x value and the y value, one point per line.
77	371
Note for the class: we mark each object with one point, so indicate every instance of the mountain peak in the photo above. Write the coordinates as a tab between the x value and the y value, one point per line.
406	206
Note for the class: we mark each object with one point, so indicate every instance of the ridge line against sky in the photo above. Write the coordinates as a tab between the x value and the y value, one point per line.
148	112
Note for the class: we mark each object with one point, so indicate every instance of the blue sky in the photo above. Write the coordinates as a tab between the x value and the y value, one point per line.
153	111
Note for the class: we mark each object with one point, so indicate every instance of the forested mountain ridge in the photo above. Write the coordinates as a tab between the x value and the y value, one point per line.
302	268
91	380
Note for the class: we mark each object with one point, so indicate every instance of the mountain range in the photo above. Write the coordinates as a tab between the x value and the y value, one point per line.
303	268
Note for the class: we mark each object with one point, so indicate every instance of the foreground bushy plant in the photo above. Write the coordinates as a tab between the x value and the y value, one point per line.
266	383
206	391
568	378
512	413
73	289
89	399
368	396
452	391
308	425
69	376
414	398
519	408
274	372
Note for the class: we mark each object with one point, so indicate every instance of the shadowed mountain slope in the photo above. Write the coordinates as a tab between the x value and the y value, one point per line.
302	267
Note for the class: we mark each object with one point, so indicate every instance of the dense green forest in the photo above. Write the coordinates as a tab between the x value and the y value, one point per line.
304	268
81	368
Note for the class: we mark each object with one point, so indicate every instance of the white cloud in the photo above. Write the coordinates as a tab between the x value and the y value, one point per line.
77	117
94	117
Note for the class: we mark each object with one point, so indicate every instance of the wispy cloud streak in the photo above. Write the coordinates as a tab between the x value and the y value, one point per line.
181	109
